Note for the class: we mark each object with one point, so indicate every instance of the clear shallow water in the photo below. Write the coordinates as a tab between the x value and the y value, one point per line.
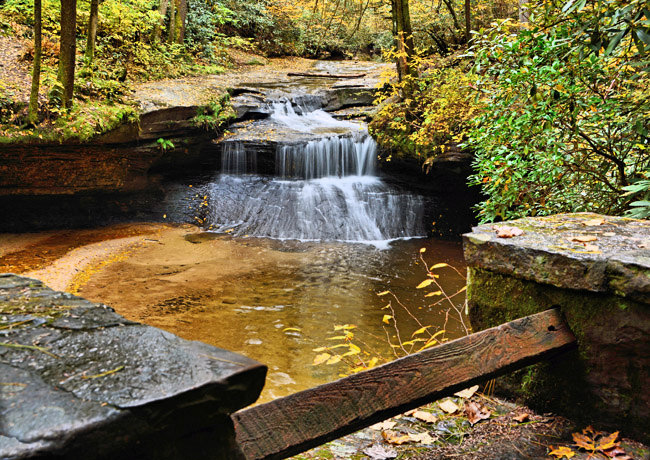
312	287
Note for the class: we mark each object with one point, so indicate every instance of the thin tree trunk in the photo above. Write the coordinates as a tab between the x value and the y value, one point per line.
36	70
403	37
92	31
162	9
523	11
450	7
181	15
468	21
172	22
68	50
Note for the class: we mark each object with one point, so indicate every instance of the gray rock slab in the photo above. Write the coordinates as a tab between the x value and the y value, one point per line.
575	251
77	377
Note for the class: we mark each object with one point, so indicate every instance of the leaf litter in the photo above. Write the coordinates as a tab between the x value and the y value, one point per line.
509	431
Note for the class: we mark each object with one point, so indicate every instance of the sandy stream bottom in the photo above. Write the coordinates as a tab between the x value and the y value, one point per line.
238	294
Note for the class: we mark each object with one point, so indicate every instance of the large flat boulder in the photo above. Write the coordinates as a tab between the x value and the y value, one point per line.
79	381
597	270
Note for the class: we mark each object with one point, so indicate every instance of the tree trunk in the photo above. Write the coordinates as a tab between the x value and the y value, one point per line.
172	22
468	21
523	11
162	9
92	31
450	8
403	37
36	70
68	50
181	15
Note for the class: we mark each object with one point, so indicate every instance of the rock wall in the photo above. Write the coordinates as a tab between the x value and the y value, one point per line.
597	270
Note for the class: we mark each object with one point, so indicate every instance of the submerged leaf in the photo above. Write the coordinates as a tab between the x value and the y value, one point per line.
320	359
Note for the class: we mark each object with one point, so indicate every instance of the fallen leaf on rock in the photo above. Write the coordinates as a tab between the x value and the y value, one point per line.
593	440
379	452
467	393
424	438
618	453
521	418
598	221
609	234
393	437
561	452
583	238
425	416
385	425
410	412
476	413
508	232
448	406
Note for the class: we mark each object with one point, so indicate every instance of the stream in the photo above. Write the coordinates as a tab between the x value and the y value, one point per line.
277	259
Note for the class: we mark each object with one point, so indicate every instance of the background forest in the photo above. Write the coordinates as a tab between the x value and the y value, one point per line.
551	98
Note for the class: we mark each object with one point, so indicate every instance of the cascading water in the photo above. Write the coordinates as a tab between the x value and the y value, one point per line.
324	189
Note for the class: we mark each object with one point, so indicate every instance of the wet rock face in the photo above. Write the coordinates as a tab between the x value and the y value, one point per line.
80	381
597	269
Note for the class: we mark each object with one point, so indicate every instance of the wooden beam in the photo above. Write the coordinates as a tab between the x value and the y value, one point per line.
304	420
325	75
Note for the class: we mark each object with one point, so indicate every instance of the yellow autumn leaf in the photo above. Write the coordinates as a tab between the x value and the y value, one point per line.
422	250
561	452
424	284
386	319
383	293
334	359
420	331
431	294
295	329
440	265
320	359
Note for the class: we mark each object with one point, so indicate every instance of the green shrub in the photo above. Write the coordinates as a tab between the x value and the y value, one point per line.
564	128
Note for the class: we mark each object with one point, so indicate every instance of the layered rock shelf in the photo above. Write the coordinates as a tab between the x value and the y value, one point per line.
79	381
597	270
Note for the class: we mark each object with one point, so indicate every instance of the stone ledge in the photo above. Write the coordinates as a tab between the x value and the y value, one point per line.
99	384
617	262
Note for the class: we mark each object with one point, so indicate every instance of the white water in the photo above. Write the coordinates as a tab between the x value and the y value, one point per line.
325	189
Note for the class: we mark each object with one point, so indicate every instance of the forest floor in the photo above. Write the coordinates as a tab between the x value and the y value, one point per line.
68	259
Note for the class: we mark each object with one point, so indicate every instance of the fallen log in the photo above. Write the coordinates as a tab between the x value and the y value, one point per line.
325	75
290	425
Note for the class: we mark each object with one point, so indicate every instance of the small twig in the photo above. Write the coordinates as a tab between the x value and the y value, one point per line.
19	323
12	384
103	374
29	347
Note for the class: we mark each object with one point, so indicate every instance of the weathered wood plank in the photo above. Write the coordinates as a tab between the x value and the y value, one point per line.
296	423
325	75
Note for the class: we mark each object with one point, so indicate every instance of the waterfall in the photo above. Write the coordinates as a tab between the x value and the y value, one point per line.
330	156
236	160
324	189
